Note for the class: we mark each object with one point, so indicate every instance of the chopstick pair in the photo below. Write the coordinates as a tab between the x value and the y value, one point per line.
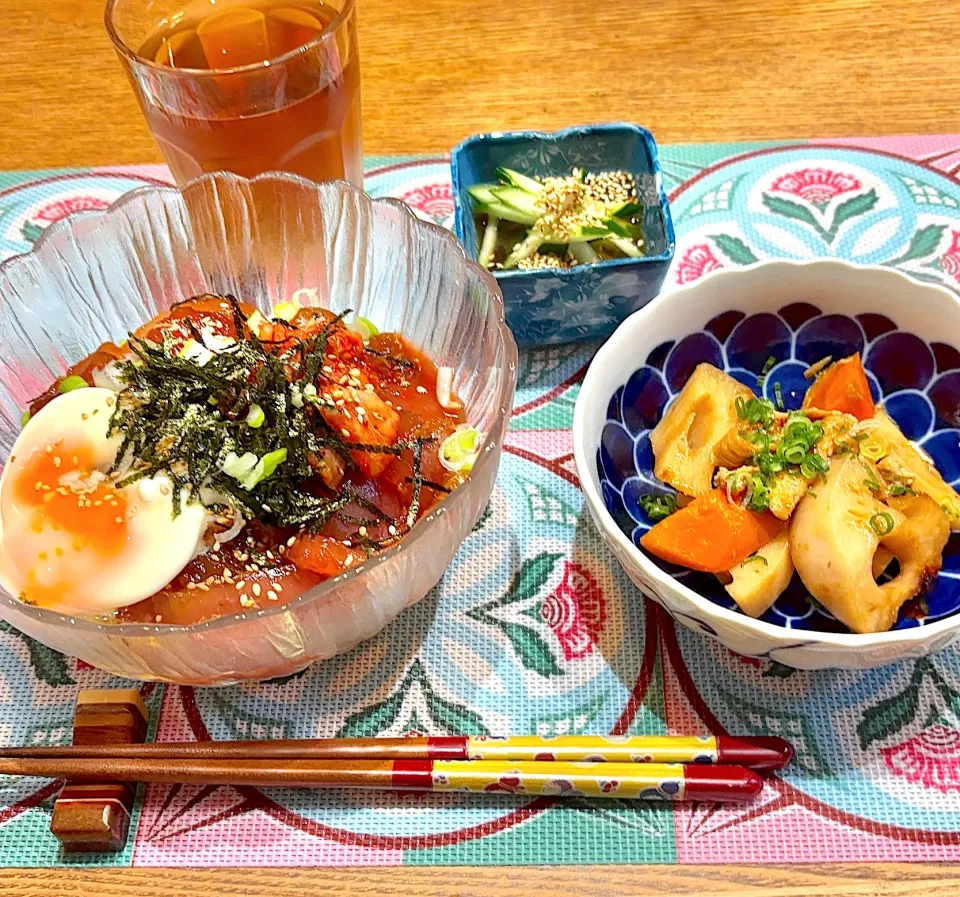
646	767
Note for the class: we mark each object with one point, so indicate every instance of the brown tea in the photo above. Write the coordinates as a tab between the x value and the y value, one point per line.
252	89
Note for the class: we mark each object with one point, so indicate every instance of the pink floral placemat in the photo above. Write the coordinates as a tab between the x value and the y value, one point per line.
534	628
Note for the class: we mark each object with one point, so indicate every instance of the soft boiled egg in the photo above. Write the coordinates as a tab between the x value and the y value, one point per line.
70	540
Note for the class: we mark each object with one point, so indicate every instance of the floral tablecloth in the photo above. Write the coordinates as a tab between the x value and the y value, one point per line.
534	628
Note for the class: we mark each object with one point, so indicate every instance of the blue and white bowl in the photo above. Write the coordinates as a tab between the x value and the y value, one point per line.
909	336
561	305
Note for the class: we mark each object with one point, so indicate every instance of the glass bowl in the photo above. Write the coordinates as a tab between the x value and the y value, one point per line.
94	276
560	305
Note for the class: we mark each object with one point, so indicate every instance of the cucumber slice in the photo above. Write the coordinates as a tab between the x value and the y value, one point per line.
627	210
482	192
485	256
524	250
627	247
507	213
618	228
584	253
517	199
589	232
509	176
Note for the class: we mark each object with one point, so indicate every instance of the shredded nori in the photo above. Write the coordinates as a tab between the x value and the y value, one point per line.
183	419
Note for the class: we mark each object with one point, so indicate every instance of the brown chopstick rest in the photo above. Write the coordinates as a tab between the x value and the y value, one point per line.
95	817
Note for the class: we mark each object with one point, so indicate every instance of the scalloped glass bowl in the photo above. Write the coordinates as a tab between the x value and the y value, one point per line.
96	275
909	336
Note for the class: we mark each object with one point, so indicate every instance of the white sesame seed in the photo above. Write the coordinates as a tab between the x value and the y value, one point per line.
291	541
256	589
272	595
422	390
240	584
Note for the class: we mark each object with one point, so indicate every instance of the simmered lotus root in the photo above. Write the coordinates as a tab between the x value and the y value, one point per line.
763	577
834	543
902	461
684	440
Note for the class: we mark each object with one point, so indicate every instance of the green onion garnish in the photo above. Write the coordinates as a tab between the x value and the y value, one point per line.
69	384
872	483
755	557
657	507
768	366
255	416
813	465
755	411
24	418
778	395
898	489
882	523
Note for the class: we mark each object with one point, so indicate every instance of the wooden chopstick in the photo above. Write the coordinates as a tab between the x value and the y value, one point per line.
647	781
756	752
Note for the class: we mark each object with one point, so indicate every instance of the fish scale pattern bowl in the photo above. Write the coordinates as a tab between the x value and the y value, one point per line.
95	276
780	318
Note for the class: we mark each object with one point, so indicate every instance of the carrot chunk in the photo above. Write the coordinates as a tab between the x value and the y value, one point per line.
842	387
711	534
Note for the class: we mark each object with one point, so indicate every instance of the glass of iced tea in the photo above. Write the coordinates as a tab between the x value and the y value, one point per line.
246	85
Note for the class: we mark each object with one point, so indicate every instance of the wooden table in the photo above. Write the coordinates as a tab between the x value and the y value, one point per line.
435	71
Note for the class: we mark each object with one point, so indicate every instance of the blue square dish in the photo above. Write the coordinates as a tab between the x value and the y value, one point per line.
557	305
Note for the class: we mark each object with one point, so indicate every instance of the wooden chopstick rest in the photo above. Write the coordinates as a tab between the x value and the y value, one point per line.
95	817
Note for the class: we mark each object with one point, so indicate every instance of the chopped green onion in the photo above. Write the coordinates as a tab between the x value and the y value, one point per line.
364	326
255	416
872	483
264	468
778	395
657	507
69	384
460	450
872	449
755	557
755	411
758	494
238	466
882	523
950	510
898	489
24	418
285	311
768	366
813	465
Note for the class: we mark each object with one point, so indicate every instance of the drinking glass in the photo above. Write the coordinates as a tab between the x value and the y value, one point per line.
298	111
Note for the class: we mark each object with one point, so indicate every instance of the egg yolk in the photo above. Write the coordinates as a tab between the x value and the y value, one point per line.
72	496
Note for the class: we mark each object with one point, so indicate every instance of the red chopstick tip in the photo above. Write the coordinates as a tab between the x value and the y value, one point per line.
762	752
720	783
